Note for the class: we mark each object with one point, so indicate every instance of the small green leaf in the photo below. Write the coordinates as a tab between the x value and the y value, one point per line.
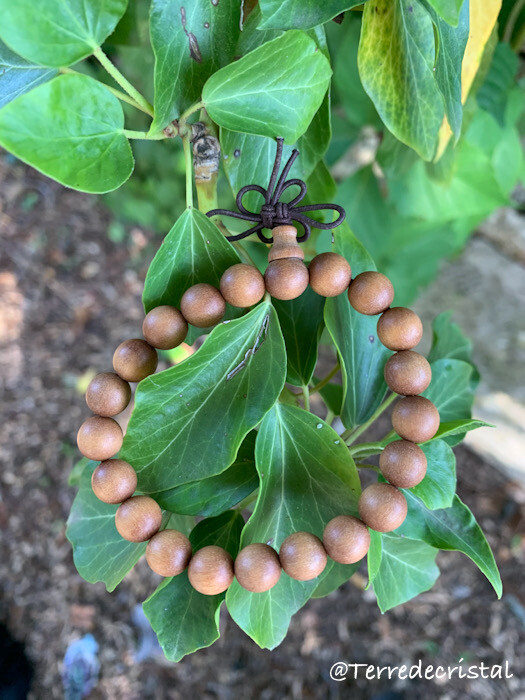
183	619
189	421
333	396
396	64
216	494
273	91
75	474
70	129
439	485
452	389
453	528
449	9
459	427
355	336
298	457
301	14
57	33
18	76
334	576
373	558
448	340
407	568
191	41
301	323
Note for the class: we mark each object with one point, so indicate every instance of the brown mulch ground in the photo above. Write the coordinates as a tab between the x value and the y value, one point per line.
67	297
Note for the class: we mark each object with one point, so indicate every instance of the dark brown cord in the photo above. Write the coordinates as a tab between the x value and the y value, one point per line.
275	213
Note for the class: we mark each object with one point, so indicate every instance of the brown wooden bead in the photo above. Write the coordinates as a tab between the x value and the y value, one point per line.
415	418
138	518
108	394
330	274
285	244
164	327
408	373
382	507
286	278
114	481
134	360
99	438
202	305
302	556
257	567
210	570
370	293
403	464
242	285
168	553
400	328
346	539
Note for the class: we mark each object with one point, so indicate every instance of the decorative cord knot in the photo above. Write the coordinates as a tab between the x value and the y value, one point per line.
274	212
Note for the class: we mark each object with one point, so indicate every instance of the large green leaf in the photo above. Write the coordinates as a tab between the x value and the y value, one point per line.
189	421
191	41
273	91
215	494
449	10
301	14
355	336
448	340
439	485
452	388
453	528
183	619
407	568
375	553
71	129
301	323
396	63
57	33
18	76
459	427
301	461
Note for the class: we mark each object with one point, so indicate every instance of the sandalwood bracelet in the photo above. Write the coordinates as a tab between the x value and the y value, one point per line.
302	555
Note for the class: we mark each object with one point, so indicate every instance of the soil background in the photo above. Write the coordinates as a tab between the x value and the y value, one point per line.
68	296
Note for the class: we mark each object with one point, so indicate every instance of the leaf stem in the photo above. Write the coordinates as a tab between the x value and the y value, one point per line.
367	449
306	397
194	108
143	135
188	158
368	466
323	382
351	435
511	22
122	81
329	417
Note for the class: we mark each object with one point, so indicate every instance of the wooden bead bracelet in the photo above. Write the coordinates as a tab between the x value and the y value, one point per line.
302	555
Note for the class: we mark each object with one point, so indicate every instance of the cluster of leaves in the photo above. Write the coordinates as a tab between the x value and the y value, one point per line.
225	426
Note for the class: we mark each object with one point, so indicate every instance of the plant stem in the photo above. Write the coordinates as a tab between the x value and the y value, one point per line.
367	449
188	158
368	466
121	95
329	417
306	397
323	382
144	135
194	108
351	435
511	21
122	81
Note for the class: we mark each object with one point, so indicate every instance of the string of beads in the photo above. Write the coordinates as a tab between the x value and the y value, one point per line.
302	555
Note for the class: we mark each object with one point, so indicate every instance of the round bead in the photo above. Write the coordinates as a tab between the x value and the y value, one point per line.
168	553
408	373
330	274
242	285
114	481
346	539
257	567
302	556
415	418
382	507
164	327
99	438
108	394
286	278
400	328
371	293
134	360
202	305
403	464
138	518
210	570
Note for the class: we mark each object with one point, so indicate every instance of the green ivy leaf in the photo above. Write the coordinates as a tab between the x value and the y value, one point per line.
301	323
298	457
183	619
396	62
452	388
407	568
216	494
333	396
374	556
273	91
449	10
459	427
70	129
191	41
189	421
448	340
355	336
333	576
56	33
438	488
18	76
301	14
453	528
